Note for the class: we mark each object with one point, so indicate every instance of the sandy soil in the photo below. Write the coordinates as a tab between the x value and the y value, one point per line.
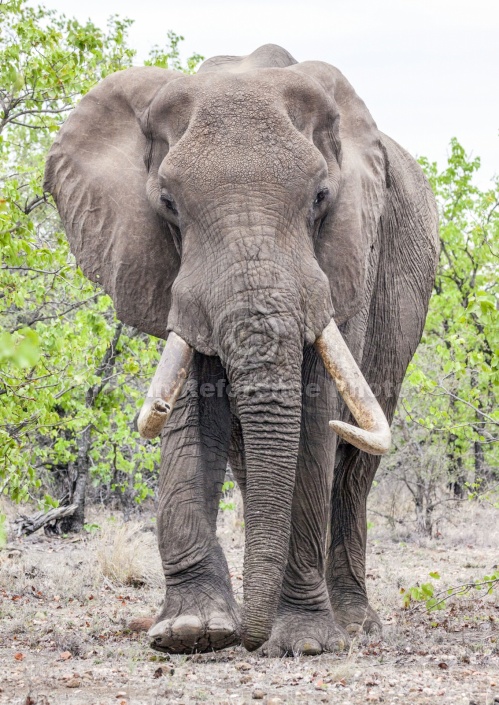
65	605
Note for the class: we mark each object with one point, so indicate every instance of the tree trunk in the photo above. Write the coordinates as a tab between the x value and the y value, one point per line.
78	471
458	478
477	445
78	475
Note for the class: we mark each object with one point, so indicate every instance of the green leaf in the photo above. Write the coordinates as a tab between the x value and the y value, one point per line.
427	590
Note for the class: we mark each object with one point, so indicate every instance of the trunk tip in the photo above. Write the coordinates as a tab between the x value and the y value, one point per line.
254	634
252	643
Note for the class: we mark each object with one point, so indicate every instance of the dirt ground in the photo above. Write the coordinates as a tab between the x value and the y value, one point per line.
65	605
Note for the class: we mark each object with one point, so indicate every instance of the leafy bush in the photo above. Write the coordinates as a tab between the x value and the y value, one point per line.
446	428
72	377
426	594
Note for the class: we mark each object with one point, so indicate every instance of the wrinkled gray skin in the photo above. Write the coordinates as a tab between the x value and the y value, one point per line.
242	208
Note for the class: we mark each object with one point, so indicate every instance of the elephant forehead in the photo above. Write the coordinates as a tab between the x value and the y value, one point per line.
243	129
241	144
246	93
264	158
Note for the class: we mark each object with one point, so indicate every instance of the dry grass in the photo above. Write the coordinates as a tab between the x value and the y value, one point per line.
75	597
344	671
128	555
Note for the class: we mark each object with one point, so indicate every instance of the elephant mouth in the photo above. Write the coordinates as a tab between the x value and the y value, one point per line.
372	434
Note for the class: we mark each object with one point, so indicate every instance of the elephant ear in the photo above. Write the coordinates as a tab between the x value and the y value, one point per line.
345	247
97	172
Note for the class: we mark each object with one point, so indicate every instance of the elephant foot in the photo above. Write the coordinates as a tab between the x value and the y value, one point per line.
358	619
305	632
195	620
189	634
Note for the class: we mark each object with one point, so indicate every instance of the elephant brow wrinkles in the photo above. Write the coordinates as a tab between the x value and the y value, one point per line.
249	296
275	221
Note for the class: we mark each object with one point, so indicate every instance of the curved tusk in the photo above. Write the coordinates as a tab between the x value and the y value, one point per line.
167	383
374	435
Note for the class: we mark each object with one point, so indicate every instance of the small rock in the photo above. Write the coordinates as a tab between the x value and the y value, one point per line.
274	701
243	666
121	694
65	656
158	673
258	694
141	624
172	693
245	679
73	683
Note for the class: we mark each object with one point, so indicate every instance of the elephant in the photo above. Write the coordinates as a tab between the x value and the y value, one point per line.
254	217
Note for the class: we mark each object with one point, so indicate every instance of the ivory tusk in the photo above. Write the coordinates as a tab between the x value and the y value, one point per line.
167	383
373	434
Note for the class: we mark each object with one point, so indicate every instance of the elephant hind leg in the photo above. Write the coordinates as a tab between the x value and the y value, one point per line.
384	362
346	566
395	323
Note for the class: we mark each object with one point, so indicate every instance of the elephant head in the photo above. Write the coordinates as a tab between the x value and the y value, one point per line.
238	210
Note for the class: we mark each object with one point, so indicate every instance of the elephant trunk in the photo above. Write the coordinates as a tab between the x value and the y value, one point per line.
270	422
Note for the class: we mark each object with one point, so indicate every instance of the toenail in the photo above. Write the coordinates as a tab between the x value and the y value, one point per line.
309	647
160	629
220	624
187	625
353	629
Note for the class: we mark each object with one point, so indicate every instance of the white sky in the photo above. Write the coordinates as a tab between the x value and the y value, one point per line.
427	69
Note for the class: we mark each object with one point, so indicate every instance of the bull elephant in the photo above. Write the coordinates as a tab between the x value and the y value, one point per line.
255	217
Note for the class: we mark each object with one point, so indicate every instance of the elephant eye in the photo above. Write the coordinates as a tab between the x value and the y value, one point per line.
168	203
321	195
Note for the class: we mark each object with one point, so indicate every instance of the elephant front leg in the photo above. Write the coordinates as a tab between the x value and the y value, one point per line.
199	611
346	569
305	623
